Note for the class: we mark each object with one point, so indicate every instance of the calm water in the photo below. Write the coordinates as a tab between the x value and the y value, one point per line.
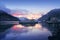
20	32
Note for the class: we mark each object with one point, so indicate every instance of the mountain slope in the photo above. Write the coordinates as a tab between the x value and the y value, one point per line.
6	17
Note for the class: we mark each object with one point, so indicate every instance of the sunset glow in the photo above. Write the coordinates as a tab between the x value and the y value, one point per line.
29	16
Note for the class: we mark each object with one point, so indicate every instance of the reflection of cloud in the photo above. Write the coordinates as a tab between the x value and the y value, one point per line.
27	34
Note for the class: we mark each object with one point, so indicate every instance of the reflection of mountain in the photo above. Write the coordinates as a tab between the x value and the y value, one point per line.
6	17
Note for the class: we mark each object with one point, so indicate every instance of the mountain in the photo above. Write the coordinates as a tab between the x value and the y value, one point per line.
54	16
6	17
56	29
23	19
52	13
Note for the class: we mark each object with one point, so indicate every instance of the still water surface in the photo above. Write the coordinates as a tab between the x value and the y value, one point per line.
20	32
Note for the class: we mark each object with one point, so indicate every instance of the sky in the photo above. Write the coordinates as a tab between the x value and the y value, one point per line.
34	6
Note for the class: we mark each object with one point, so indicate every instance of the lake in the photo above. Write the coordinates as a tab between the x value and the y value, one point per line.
21	32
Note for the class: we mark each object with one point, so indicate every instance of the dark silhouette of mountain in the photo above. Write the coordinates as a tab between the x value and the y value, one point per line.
6	17
52	13
27	22
53	16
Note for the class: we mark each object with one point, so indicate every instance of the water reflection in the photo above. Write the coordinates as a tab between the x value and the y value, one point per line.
20	32
36	26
